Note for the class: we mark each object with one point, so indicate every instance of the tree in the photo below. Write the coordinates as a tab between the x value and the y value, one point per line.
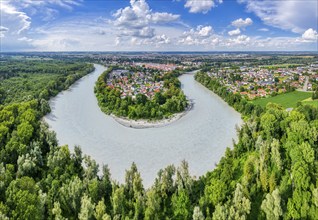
159	98
153	209
141	99
275	155
220	213
118	201
70	196
181	205
57	212
215	191
25	132
100	211
197	214
87	208
24	200
241	205
106	187
271	205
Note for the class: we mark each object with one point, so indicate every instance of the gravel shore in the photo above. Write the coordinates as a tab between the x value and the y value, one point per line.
140	124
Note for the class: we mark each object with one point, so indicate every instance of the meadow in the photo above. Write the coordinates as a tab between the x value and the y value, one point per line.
287	100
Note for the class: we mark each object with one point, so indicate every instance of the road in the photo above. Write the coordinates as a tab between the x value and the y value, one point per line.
306	84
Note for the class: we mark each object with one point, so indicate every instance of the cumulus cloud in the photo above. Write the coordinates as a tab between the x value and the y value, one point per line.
201	6
156	41
139	21
234	32
296	16
199	36
204	31
200	31
241	39
241	23
310	35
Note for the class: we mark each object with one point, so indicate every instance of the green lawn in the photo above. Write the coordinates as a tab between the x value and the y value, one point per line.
287	100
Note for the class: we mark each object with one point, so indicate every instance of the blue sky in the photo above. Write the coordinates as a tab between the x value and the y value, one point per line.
159	25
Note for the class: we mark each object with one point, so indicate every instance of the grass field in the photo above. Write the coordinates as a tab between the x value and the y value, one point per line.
287	100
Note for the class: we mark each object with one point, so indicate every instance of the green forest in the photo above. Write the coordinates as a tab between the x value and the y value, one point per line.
23	80
162	105
269	173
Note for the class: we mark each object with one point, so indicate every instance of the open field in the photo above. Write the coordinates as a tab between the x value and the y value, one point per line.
287	100
284	65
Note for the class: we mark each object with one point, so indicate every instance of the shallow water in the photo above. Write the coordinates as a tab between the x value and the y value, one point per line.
200	137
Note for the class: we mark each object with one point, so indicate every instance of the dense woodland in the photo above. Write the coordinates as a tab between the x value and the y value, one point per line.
22	80
270	173
162	105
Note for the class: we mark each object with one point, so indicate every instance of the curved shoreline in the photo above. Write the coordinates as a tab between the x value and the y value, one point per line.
141	124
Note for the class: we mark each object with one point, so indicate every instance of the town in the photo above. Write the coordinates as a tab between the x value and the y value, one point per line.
139	80
262	81
131	84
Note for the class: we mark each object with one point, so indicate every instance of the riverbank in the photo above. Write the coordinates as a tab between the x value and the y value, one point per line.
141	124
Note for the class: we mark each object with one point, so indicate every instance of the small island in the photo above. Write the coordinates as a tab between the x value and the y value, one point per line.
140	96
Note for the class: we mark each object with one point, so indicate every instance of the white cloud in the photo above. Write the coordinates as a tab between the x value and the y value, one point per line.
200	31
146	32
156	41
201	6
241	23
234	32
139	15
3	30
204	31
16	15
136	27
74	35
16	20
25	39
310	35
40	4
263	29
163	17
189	40
201	35
138	23
296	16
241	39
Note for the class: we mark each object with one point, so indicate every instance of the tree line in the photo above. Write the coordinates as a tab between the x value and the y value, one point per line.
23	80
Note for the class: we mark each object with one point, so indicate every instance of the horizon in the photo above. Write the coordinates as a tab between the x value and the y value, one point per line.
189	52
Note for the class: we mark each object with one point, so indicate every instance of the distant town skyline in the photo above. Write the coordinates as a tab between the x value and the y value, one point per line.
158	25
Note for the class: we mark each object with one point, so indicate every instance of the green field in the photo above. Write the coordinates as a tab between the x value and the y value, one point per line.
287	100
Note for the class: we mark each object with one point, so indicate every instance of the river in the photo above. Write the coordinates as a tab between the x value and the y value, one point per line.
200	137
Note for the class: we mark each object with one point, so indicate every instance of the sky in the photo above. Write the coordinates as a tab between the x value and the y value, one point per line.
159	25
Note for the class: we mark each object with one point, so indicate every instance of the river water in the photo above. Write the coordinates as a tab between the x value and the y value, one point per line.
200	137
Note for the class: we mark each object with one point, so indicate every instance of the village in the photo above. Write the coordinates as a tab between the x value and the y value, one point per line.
262	81
132	83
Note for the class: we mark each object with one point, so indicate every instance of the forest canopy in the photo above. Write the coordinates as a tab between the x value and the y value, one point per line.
269	173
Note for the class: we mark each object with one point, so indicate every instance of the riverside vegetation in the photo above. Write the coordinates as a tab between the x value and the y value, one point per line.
163	104
270	173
